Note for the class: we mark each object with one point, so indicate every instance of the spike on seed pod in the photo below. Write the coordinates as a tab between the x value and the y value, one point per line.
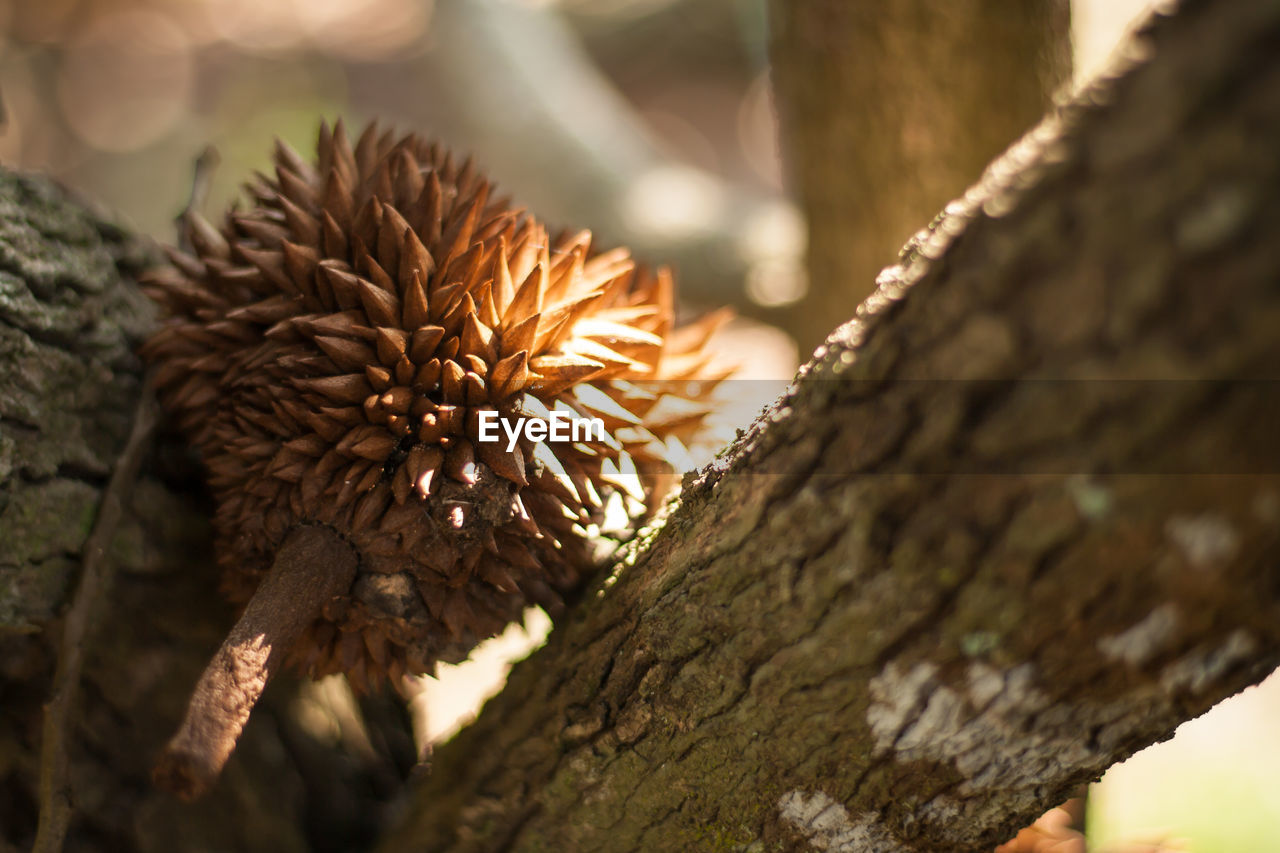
333	354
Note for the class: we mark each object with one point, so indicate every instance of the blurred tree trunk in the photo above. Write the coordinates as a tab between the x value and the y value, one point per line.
889	110
908	610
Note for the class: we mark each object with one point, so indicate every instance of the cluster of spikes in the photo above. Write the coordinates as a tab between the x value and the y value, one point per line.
330	353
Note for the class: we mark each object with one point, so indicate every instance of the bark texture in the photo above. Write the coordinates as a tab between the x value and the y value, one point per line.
70	318
889	110
1017	520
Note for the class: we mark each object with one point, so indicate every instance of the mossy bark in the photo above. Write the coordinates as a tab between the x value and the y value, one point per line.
70	318
1017	520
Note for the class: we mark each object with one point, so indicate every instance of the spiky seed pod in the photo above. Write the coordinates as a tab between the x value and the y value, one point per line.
331	353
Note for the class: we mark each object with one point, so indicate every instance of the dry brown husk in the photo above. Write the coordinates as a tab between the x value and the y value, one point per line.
329	351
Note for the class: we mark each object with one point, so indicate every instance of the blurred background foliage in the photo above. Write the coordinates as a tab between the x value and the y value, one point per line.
651	121
648	119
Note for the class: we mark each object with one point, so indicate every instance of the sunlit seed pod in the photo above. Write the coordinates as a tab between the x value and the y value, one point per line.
328	353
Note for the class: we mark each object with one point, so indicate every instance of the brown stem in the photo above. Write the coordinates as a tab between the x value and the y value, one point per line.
313	565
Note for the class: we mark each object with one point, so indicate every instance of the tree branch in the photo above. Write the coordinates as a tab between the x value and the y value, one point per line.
1016	521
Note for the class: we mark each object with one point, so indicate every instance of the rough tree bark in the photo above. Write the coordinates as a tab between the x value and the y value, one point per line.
69	386
889	110
919	602
906	611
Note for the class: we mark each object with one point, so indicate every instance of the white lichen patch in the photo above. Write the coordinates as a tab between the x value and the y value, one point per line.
985	684
1200	668
1002	732
894	699
984	727
1204	541
1144	640
944	712
826	825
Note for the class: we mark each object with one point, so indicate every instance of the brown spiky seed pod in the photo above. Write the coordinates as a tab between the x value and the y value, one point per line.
331	353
